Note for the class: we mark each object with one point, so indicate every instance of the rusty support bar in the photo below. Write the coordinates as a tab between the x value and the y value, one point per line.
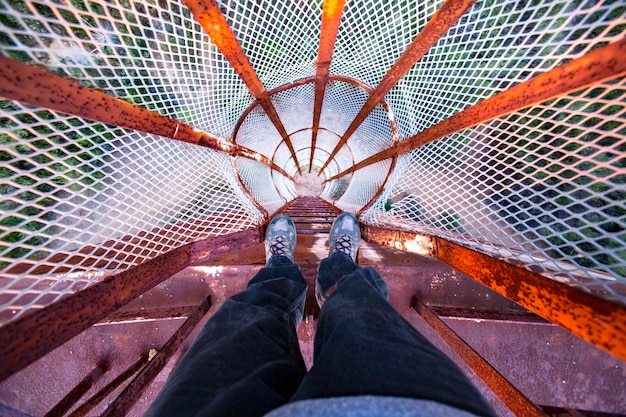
449	13
30	337
124	402
507	393
600	65
147	315
93	402
331	17
32	85
301	82
79	390
407	241
593	319
208	14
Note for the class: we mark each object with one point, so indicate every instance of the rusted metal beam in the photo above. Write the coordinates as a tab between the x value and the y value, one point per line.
602	64
123	403
331	17
79	390
449	13
35	86
100	256
507	393
93	402
147	315
593	319
30	337
213	21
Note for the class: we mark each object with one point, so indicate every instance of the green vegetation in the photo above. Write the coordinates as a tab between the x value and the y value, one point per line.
42	165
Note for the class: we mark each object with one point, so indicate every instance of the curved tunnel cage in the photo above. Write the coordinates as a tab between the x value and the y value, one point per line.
133	128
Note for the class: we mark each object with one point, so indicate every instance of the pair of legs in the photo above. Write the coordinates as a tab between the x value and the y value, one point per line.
246	360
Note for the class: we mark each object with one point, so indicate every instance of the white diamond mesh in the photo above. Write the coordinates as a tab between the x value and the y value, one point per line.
71	188
544	186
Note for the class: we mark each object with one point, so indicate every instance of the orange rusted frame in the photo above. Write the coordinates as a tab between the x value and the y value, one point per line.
593	319
208	14
602	64
31	85
331	16
507	393
449	13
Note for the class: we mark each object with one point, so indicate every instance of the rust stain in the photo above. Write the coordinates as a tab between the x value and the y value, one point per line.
597	66
32	85
593	319
449	13
208	14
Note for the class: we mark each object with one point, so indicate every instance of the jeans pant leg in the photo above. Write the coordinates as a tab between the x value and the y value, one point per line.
364	347
246	360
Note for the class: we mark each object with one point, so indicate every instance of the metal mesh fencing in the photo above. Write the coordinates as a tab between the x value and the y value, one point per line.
544	186
81	196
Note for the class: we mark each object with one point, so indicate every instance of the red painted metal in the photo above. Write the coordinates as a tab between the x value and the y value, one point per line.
32	85
30	337
208	14
331	17
507	393
77	393
101	395
450	12
593	319
123	403
602	64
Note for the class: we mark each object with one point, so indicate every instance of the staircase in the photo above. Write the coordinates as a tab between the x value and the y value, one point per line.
540	359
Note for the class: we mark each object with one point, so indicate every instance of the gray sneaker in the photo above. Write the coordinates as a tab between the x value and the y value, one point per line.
345	235
280	237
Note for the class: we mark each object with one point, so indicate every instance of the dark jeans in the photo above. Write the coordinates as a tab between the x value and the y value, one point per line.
246	360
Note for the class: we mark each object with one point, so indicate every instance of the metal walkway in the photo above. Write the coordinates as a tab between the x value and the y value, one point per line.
553	369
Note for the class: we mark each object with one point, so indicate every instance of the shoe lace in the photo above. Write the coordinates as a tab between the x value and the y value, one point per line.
279	246
344	244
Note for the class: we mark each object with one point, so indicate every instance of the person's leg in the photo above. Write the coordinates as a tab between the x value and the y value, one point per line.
246	360
364	347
